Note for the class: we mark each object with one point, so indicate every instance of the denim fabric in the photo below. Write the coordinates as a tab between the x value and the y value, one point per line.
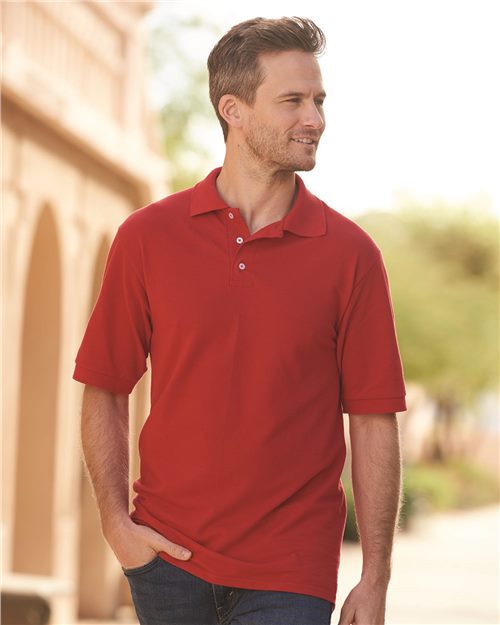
165	594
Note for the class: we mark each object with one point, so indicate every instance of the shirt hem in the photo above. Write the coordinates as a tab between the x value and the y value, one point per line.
102	380
251	584
374	405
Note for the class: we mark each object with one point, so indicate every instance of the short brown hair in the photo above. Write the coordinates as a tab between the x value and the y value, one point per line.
233	64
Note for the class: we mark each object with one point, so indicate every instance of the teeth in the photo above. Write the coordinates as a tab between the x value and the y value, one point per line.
303	140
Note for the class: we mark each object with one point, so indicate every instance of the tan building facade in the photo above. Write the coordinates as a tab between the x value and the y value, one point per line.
80	152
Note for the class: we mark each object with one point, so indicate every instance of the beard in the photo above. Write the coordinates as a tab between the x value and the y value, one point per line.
277	151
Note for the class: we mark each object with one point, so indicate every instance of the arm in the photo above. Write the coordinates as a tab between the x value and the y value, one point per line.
105	443
376	479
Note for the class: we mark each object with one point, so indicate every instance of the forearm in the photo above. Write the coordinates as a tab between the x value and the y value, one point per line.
106	450
376	479
104	429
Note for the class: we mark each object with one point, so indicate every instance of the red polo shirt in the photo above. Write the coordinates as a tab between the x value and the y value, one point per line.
258	343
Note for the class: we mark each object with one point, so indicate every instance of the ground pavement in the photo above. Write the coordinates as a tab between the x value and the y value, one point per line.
445	571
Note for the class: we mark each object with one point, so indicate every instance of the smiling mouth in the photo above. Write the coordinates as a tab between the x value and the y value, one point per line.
305	141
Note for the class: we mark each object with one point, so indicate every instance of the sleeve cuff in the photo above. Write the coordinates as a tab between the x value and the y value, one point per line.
102	380
374	406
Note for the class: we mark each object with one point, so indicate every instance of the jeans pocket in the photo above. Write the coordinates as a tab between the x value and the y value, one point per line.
137	570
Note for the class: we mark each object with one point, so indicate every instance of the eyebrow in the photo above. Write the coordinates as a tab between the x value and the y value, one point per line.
289	94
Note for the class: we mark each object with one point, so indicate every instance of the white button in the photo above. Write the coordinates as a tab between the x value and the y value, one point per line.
231	215
239	239
242	266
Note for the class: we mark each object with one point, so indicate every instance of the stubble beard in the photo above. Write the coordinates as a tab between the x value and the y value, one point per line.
274	151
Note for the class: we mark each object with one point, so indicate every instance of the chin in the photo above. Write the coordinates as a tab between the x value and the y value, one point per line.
293	166
305	166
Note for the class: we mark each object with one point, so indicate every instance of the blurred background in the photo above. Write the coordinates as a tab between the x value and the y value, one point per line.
104	109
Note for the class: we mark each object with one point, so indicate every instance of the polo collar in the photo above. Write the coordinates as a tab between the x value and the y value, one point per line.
305	218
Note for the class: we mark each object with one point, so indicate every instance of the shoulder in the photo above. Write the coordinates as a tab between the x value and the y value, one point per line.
340	227
349	240
156	215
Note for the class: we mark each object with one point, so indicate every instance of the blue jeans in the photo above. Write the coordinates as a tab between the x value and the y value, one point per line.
165	594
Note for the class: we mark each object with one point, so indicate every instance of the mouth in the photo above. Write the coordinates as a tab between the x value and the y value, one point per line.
304	140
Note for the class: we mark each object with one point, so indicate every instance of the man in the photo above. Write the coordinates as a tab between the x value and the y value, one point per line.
267	315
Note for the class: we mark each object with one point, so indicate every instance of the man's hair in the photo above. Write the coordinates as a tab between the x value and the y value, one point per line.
233	64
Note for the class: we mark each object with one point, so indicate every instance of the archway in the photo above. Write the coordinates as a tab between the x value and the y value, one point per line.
37	418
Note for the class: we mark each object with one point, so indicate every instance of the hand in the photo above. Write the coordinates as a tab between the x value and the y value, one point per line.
135	545
365	605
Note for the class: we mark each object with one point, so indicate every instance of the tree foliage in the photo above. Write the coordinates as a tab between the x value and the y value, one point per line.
187	119
443	269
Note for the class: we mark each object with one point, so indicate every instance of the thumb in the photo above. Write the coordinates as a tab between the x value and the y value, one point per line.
346	615
173	549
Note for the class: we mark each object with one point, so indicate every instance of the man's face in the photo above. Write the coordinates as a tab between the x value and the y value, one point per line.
283	127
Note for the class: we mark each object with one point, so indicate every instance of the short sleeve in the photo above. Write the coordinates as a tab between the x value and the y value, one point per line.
371	371
116	342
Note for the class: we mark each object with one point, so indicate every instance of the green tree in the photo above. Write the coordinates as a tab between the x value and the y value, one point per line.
443	270
187	119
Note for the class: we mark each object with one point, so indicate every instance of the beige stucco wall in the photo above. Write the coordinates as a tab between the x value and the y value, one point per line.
79	152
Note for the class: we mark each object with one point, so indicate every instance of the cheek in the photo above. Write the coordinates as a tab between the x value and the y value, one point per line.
292	121
283	117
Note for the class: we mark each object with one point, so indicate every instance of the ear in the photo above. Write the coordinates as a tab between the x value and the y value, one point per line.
230	110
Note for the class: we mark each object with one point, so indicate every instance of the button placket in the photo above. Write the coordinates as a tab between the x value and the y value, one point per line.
238	265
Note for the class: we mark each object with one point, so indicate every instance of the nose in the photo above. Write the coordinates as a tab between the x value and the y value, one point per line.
314	116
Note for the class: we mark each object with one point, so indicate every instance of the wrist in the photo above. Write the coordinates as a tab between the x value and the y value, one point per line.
115	525
377	577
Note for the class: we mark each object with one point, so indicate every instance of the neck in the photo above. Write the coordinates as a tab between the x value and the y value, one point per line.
262	196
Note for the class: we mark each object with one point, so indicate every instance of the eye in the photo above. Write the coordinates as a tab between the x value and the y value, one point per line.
294	100
320	102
